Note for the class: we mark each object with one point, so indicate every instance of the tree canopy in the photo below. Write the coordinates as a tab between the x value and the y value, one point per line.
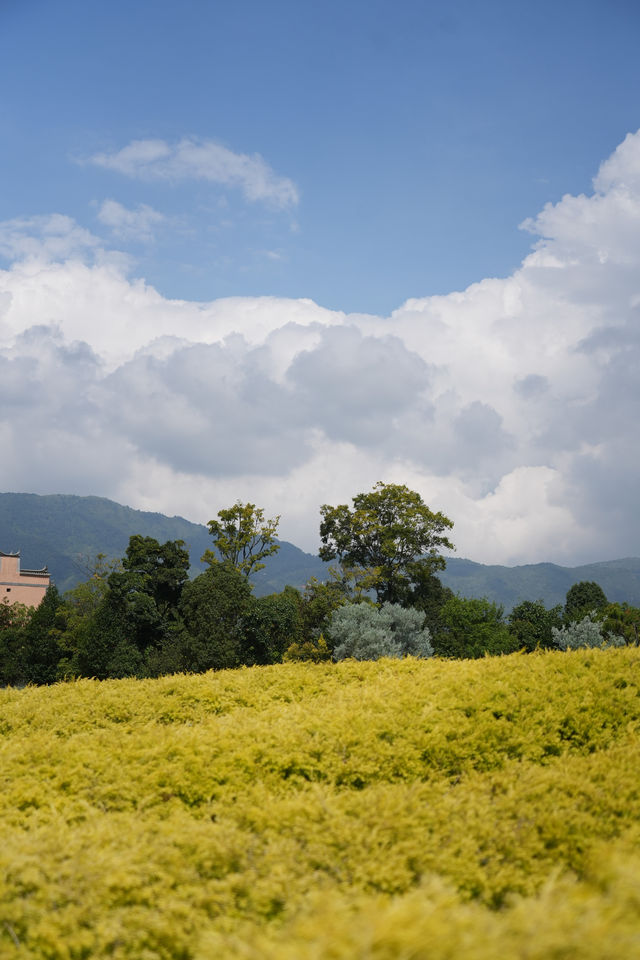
242	537
390	535
583	597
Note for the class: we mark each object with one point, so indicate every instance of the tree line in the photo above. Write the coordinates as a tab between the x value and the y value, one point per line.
141	615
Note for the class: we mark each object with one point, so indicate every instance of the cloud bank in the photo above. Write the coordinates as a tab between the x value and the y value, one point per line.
513	405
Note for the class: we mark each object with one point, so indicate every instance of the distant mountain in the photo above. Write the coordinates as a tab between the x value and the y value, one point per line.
60	530
620	580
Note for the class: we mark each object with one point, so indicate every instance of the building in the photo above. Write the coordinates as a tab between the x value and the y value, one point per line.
21	586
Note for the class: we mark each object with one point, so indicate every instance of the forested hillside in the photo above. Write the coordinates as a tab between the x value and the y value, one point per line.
61	530
422	809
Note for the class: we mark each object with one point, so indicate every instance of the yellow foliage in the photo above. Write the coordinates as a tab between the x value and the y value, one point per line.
315	650
397	810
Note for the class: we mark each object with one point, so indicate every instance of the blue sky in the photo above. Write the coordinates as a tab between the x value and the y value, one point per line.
419	135
279	251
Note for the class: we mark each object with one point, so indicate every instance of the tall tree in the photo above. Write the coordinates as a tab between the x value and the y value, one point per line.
391	535
162	569
242	537
127	612
41	649
14	619
213	609
582	598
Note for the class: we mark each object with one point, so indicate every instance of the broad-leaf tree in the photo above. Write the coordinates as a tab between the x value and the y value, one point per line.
242	537
531	624
472	627
213	608
582	598
390	535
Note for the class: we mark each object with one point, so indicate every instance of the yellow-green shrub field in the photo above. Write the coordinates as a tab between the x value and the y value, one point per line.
398	810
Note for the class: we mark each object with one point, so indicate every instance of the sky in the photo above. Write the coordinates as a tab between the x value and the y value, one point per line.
278	251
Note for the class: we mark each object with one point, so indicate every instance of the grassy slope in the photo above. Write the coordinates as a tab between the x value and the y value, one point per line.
392	810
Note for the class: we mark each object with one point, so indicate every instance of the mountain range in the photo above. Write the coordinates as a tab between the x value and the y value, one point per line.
65	532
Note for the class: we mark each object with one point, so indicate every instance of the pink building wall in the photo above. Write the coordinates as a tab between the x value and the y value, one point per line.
21	586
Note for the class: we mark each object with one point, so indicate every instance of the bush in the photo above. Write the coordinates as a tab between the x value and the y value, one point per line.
531	624
313	650
472	627
584	634
364	632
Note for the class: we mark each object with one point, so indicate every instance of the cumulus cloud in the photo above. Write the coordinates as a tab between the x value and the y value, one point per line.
138	224
512	406
193	159
46	238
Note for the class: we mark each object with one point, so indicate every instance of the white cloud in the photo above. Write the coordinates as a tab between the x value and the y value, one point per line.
45	238
138	224
512	406
193	159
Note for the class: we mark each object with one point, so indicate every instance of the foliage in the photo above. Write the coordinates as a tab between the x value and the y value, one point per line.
313	650
271	624
83	599
13	615
429	595
423	809
213	608
471	628
622	620
583	597
390	535
123	619
531	624
13	621
364	632
38	649
160	570
242	537
319	600
584	634
55	529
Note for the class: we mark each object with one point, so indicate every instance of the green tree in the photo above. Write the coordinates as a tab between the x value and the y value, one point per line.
145	594
83	599
13	615
390	535
213	609
160	570
41	649
125	618
472	627
428	594
242	537
320	599
622	620
81	604
582	598
271	624
14	618
531	624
